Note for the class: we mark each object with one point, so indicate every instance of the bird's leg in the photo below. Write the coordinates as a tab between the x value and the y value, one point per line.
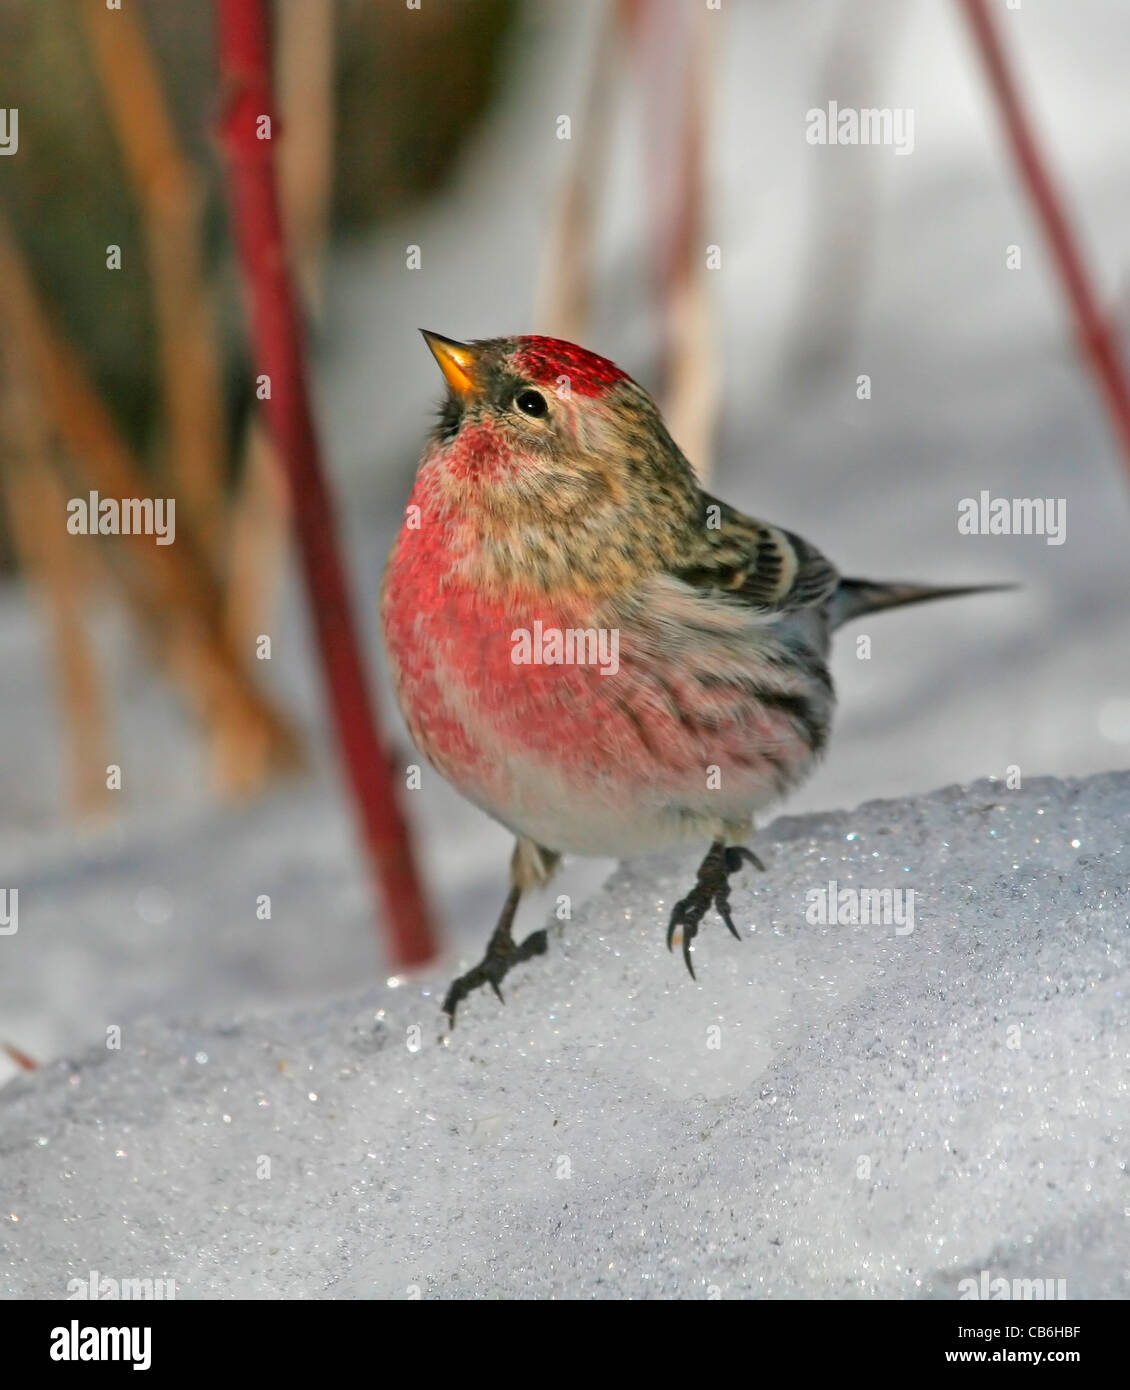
712	887
502	953
532	864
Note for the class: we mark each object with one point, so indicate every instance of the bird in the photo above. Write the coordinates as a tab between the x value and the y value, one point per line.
591	648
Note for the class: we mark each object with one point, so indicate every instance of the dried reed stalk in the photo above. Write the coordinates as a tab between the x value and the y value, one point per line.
54	566
169	192
167	586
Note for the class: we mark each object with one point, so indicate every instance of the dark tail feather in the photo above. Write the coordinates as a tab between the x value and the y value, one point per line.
855	597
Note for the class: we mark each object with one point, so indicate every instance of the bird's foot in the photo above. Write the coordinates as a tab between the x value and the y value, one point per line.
502	955
712	888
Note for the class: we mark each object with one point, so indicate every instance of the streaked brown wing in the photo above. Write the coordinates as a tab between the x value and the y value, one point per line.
767	567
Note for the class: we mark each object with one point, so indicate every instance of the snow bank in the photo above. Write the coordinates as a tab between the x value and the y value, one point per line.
831	1110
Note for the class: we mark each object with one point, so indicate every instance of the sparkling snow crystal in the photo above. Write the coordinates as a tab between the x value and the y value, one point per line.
831	1110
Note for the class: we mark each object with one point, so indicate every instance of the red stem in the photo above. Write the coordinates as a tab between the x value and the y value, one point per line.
21	1059
1094	330
278	351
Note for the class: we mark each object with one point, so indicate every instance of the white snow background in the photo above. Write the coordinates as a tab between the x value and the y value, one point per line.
691	1167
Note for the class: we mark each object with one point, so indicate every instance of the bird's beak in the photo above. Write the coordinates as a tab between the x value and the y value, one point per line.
456	362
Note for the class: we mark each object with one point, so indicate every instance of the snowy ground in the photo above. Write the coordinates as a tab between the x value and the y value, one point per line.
838	1044
837	1110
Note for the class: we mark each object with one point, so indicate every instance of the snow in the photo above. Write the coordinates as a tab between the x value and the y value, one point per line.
977	1064
885	1112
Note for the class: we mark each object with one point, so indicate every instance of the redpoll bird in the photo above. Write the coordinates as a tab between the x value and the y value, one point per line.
591	648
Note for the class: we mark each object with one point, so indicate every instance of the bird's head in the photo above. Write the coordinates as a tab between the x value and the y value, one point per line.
538	394
537	433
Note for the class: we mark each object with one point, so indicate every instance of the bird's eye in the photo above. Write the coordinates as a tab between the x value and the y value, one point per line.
531	403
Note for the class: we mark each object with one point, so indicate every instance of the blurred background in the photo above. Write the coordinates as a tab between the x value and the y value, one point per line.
635	176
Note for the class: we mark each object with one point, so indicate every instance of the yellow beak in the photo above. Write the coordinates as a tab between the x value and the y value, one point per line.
456	361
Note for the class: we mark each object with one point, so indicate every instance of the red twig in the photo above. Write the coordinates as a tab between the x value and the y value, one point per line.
278	351
1094	330
21	1059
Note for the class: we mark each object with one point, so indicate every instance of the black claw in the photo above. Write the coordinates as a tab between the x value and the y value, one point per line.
536	944
736	854
687	913
724	913
711	889
502	955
